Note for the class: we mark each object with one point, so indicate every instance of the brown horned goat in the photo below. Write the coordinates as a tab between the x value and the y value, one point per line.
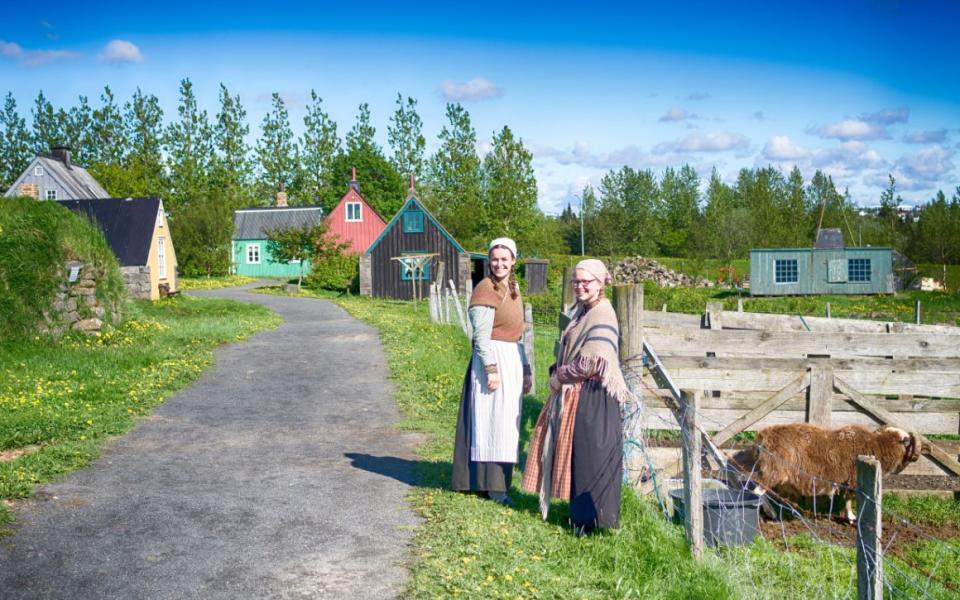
810	460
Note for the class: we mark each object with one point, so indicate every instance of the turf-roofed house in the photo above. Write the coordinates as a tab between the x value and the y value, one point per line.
251	226
415	231
136	231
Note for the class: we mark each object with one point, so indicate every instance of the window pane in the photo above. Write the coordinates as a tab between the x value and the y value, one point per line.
413	221
858	269
785	271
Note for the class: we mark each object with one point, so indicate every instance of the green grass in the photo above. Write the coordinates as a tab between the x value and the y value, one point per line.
472	548
925	510
213	283
64	400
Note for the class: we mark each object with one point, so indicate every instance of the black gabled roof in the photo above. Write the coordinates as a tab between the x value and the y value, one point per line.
127	223
829	239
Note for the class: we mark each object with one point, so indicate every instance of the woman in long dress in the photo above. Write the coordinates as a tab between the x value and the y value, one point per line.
488	426
576	451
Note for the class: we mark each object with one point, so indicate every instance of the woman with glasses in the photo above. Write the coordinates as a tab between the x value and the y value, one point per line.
488	426
576	451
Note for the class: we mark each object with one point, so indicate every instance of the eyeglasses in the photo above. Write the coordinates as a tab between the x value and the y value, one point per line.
581	282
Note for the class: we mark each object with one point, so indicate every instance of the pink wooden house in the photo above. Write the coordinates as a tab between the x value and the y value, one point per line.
353	220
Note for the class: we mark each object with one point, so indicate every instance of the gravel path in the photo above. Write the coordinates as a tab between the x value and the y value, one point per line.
278	474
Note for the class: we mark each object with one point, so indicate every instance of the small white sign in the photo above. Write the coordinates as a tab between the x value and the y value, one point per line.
74	273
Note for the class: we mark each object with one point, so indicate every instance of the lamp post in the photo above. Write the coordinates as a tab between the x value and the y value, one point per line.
581	223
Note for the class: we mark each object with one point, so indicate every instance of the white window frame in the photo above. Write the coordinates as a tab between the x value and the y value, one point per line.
50	194
160	217
359	216
253	252
161	257
38	171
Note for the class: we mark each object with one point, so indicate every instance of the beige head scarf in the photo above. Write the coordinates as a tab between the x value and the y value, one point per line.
597	269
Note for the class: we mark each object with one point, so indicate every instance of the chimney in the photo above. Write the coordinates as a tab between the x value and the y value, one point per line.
413	186
281	196
353	179
61	153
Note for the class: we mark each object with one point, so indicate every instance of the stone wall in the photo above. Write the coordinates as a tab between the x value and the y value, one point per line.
76	306
137	280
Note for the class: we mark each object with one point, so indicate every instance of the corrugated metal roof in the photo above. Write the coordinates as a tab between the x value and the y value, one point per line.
79	183
253	223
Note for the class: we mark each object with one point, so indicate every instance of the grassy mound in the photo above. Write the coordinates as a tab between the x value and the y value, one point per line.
36	239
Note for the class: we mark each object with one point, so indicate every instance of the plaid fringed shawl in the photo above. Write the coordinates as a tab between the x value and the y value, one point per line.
592	335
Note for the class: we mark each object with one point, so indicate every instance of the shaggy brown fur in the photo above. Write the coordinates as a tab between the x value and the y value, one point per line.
809	460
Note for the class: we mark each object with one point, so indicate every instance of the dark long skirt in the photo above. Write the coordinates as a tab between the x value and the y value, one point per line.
469	475
597	461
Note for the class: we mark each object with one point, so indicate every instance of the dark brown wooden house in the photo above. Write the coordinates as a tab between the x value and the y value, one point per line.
413	230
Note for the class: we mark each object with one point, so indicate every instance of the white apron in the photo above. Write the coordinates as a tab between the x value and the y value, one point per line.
496	415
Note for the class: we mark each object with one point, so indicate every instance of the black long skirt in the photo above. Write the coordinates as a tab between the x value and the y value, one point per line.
597	461
469	475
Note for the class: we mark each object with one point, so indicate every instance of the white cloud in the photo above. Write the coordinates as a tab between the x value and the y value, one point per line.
887	116
676	114
698	96
852	129
937	136
780	148
474	90
120	51
705	142
33	58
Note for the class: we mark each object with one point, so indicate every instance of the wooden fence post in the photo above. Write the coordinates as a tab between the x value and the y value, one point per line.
628	303
740	305
434	304
869	524
828	310
820	395
692	482
715	314
566	297
916	312
528	342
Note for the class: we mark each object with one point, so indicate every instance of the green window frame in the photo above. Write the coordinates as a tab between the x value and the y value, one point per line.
413	221
407	274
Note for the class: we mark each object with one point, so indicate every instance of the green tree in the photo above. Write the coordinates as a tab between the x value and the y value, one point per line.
796	212
509	190
406	140
277	152
231	172
626	222
380	183
888	216
144	164
678	210
321	145
724	223
204	236
109	145
308	242
189	146
454	180
15	155
78	132
939	230
762	193
47	126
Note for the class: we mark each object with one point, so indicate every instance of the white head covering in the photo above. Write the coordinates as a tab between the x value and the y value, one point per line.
597	269
506	243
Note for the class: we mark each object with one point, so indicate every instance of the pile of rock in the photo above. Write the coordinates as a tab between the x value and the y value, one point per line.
76	306
637	269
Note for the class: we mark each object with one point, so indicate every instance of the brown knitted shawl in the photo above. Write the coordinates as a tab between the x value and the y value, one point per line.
594	335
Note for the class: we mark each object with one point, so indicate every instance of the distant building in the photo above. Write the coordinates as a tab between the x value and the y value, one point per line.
413	230
136	231
353	221
806	271
251	252
55	177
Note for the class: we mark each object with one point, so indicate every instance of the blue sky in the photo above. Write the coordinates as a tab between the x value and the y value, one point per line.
858	89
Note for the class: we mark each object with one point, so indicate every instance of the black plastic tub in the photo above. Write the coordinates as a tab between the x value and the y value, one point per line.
729	517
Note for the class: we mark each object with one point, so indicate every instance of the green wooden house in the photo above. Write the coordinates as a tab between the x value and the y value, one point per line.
251	254
806	271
